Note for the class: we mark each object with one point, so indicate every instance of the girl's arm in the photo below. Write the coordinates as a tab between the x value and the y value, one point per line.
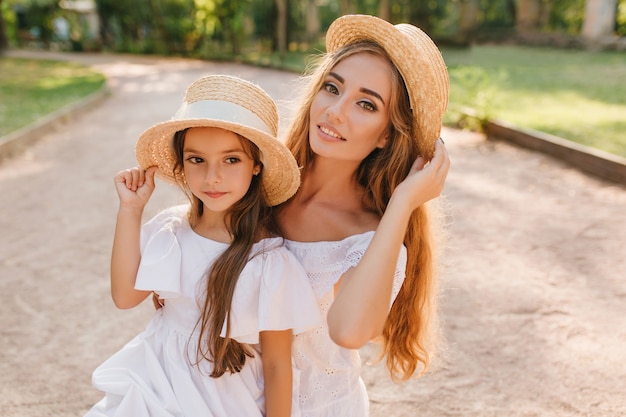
361	306
277	372
134	188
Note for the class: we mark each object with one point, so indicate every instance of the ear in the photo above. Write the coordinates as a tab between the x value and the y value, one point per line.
382	141
256	170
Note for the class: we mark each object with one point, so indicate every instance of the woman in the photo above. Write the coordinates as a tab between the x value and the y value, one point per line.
366	137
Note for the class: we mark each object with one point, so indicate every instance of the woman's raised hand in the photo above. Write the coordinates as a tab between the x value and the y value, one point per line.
134	186
425	180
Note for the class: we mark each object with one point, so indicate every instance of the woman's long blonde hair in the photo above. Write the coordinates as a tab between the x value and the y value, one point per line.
409	334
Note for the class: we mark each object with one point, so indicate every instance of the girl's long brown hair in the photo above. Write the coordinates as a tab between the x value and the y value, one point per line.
247	221
409	333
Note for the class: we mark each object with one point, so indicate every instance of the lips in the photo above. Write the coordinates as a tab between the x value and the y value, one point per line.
214	194
330	132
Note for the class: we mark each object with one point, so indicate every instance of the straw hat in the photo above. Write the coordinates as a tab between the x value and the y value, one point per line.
418	60
232	104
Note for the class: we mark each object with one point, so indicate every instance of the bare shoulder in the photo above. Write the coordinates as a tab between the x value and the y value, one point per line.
313	222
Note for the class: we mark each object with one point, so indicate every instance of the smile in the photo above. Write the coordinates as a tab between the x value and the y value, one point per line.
330	133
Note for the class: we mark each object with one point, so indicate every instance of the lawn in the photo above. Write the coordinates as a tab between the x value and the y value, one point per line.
580	96
30	89
577	95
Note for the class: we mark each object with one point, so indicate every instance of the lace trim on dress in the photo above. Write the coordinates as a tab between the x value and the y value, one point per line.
326	261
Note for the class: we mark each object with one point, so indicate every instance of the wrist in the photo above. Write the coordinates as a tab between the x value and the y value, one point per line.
130	209
399	207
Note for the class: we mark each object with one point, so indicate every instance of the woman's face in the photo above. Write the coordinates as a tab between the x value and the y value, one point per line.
350	113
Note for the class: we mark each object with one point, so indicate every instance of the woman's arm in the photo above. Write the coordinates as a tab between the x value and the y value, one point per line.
361	305
277	372
134	187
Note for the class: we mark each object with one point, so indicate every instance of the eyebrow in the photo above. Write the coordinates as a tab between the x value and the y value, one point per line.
362	89
236	150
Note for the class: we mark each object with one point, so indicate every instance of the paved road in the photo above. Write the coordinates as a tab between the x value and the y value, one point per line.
533	295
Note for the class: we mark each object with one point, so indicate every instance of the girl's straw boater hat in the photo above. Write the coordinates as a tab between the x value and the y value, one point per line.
418	60
232	104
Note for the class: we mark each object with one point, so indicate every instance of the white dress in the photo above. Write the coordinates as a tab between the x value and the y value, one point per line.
153	375
330	383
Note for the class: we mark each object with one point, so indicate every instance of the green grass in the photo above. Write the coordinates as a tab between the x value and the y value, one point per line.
577	95
580	96
31	89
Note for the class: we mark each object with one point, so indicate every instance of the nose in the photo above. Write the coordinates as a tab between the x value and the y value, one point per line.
213	174
335	111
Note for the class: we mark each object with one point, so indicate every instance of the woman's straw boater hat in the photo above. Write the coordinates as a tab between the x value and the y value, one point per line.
418	60
232	104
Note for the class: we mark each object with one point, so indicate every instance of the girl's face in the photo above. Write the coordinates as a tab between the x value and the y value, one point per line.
217	168
350	113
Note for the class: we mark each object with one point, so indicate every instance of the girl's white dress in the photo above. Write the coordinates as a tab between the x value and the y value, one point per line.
154	374
330	376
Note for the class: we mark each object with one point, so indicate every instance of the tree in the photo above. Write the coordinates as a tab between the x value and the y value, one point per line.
469	15
527	15
281	26
346	7
599	19
312	21
384	10
4	39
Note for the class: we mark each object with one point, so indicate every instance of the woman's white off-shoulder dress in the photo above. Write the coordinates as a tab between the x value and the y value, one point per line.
155	373
330	376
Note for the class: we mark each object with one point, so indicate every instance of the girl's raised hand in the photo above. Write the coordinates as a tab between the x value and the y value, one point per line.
425	181
134	186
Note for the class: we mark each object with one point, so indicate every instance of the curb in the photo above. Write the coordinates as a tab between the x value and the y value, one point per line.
17	141
590	160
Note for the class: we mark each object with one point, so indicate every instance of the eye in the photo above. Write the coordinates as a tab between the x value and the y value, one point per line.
330	87
194	160
232	160
369	106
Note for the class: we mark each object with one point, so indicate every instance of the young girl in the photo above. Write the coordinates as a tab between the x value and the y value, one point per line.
232	294
366	136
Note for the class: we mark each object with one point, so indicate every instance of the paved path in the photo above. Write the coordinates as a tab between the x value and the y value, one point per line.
533	296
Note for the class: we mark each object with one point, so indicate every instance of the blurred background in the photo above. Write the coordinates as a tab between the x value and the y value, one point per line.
554	66
205	28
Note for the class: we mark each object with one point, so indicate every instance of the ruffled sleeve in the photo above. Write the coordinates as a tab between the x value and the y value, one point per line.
356	252
272	293
160	266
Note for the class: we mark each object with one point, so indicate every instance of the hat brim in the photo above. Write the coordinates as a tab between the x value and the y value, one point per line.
417	59
280	177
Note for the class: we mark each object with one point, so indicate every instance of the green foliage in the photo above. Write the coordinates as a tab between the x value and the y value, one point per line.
621	18
7	14
37	88
263	12
178	27
475	91
201	27
497	13
567	15
572	94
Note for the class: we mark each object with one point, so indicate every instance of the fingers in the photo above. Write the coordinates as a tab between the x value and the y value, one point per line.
134	178
128	177
441	160
418	164
149	176
156	301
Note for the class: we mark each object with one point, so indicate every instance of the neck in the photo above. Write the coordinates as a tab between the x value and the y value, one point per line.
330	180
213	226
